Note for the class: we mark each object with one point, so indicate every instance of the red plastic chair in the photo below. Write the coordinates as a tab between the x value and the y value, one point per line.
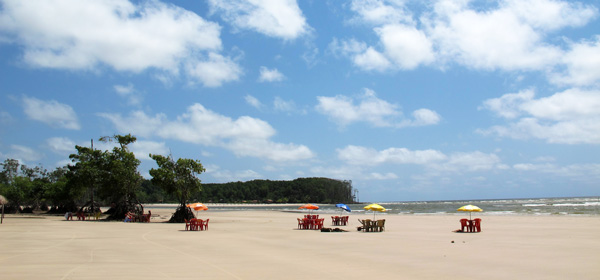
188	224
477	225
345	220
319	223
205	224
464	224
199	224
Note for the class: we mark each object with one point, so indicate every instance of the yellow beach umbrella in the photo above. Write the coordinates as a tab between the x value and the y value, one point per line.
469	208
375	208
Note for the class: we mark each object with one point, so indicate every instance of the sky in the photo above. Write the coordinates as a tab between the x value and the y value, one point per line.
410	100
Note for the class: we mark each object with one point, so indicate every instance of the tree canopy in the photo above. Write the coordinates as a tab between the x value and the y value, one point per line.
180	178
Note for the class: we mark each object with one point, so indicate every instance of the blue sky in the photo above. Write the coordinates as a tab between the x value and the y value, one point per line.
409	100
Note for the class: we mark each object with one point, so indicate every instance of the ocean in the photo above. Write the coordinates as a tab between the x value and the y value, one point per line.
588	206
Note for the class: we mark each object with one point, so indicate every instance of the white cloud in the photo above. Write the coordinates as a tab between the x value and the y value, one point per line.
214	71
359	158
368	156
61	145
274	18
406	46
142	149
23	154
51	112
137	123
222	175
581	65
568	117
425	117
379	12
129	93
286	106
380	113
253	101
380	176
118	34
471	161
490	39
580	171
244	136
270	75
371	60
507	35
551	14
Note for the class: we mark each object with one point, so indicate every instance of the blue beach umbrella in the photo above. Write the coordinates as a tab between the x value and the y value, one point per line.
343	207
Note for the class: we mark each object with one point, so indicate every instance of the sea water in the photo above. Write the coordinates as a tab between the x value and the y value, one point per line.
589	206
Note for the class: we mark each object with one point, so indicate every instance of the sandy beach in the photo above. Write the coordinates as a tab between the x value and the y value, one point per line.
267	245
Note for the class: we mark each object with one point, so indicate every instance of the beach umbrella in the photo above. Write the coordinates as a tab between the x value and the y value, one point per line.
197	206
469	208
375	208
309	206
343	207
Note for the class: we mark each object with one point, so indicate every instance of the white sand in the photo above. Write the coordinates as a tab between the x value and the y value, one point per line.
267	245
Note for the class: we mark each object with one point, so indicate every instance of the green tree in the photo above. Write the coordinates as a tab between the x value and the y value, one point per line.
179	178
122	179
85	176
23	186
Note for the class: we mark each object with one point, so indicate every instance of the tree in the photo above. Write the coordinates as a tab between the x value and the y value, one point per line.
123	179
112	176
85	176
179	178
23	186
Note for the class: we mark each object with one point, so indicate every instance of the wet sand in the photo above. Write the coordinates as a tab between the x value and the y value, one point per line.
268	245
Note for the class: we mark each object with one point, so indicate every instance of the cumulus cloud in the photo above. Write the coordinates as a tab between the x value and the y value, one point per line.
245	136
512	35
568	117
214	71
122	35
270	75
406	46
369	108
274	18
51	112
580	65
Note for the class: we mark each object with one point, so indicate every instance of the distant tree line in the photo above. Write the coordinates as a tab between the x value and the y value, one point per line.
301	190
111	178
